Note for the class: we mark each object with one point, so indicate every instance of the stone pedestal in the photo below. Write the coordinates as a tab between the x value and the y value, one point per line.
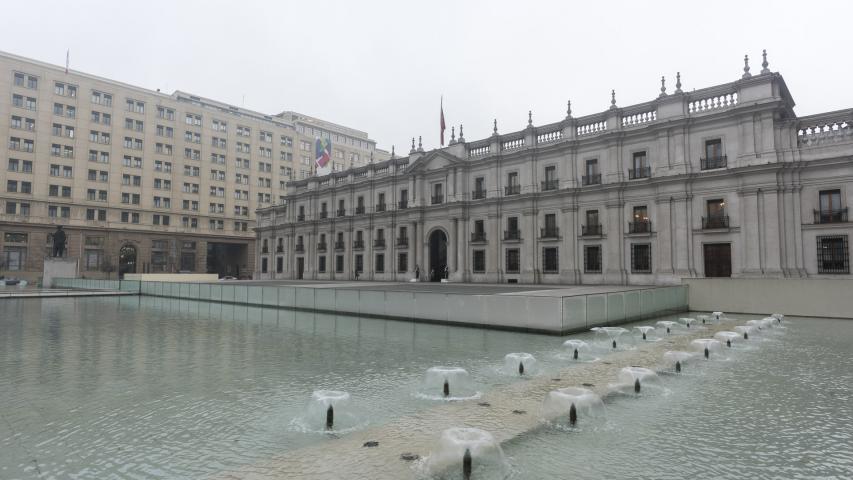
58	267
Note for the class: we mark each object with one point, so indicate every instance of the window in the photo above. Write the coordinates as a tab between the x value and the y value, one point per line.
512	186
713	148
165	113
640	166
592	258
12	186
550	182
359	263
830	207
437	193
833	254
640	220
513	260
15	257
592	176
479	188
716	214
192	119
402	262
380	263
321	264
11	208
101	98
641	258
479	261
550	261
550	230
14	165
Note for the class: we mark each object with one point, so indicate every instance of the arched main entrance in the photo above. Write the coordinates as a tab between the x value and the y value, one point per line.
126	260
437	255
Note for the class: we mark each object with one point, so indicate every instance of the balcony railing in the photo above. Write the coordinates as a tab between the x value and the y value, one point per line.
403	242
512	189
512	234
403	204
379	243
478	194
437	199
359	210
641	172
342	213
340	246
300	248
265	250
478	237
279	249
324	214
830	216
591	179
640	226
711	163
357	244
300	217
552	184
321	247
549	232
380	207
591	230
715	221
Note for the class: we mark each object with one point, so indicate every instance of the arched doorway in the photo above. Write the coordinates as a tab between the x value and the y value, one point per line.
126	260
437	255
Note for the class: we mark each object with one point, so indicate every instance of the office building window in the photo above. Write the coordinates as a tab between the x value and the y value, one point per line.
592	258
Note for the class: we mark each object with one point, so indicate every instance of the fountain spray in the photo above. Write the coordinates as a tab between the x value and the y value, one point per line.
330	418
446	388
466	464
573	415
520	368
678	367
637	386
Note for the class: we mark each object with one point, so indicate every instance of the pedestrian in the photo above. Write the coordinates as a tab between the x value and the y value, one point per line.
417	272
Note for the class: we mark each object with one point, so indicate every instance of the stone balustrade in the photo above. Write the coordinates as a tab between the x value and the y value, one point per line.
832	127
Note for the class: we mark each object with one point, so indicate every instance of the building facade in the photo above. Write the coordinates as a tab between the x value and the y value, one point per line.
143	181
722	181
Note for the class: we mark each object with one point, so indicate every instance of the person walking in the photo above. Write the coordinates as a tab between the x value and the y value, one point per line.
417	272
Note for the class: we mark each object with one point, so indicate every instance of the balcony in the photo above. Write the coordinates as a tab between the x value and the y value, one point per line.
641	172
478	237
640	226
591	230
342	213
279	249
300	217
549	232
478	194
380	207
715	221
324	214
340	246
265	250
437	199
359	210
512	189
830	216
300	248
321	247
512	235
379	243
711	163
358	244
591	179
552	184
403	242
402	204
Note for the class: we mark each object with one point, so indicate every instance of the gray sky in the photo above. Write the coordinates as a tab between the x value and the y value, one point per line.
381	66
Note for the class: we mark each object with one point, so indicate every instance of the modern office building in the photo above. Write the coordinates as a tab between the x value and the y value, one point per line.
714	182
143	181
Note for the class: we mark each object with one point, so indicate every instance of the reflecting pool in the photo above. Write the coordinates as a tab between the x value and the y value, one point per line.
142	387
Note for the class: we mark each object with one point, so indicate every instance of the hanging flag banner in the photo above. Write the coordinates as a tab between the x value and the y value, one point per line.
323	152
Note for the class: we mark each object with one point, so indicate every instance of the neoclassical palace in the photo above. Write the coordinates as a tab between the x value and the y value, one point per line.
717	182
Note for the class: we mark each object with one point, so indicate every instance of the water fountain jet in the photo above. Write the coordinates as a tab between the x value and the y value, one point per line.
706	346
644	330
330	417
519	364
612	332
576	346
449	383
677	357
466	464
635	378
668	324
573	415
477	450
575	401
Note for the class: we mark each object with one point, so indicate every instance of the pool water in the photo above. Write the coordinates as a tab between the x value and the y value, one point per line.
143	387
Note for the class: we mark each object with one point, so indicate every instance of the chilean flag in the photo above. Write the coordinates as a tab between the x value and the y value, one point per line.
441	122
323	152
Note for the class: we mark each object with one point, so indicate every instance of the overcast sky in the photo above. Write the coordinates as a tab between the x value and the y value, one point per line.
382	66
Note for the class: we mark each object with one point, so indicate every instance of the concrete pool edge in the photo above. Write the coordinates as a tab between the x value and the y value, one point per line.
555	314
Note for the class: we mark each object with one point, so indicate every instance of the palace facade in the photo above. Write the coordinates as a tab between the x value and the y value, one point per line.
715	182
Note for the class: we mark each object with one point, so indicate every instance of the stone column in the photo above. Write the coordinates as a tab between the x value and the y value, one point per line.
569	271
664	230
751	248
462	251
614	272
797	215
680	235
413	248
770	217
493	257
529	236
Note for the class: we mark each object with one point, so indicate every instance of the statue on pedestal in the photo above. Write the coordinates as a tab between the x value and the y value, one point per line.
58	242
